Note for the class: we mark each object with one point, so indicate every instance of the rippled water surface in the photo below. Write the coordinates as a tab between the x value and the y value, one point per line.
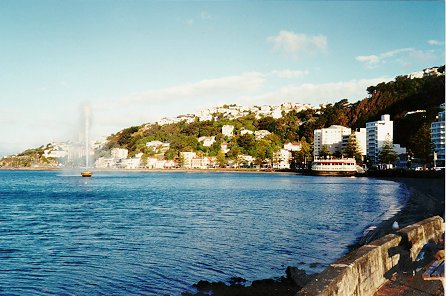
158	233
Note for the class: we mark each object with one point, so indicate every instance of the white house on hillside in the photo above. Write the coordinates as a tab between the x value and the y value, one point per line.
260	134
207	141
295	146
119	153
227	130
246	131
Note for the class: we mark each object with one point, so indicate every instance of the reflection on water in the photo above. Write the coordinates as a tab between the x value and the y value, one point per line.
157	233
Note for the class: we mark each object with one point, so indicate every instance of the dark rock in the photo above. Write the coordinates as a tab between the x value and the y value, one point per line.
298	276
236	281
208	286
265	282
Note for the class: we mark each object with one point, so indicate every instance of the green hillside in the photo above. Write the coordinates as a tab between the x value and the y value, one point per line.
396	98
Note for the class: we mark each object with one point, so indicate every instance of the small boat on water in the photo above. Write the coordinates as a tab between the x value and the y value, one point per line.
86	174
336	167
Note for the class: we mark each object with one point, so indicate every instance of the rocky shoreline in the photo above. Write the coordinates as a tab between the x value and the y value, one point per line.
426	199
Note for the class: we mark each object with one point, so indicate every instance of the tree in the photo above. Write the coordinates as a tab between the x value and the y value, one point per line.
247	143
221	159
304	154
267	123
386	153
181	160
422	145
234	152
352	148
144	160
324	152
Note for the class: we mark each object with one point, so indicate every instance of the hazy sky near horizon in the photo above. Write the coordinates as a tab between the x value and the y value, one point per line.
137	61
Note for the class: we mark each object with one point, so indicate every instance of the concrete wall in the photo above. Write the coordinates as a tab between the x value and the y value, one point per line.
363	271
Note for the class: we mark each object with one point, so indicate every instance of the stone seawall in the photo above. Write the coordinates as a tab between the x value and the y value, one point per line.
363	271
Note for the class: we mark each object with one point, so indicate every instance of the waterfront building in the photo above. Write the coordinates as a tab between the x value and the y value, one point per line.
131	163
361	139
245	160
105	162
282	159
377	133
187	157
438	138
331	137
203	162
155	163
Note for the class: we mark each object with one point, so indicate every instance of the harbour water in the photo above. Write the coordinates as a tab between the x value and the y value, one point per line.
158	233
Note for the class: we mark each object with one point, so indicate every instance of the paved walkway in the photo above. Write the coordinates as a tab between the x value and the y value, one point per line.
403	284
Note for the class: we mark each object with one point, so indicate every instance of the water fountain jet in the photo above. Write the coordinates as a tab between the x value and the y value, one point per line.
87	121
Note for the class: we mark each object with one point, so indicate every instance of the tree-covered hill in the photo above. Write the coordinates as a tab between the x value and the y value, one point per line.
396	98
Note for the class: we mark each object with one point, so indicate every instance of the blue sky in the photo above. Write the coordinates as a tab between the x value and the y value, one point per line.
135	62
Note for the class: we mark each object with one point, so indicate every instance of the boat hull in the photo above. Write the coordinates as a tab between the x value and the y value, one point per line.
333	173
86	174
335	167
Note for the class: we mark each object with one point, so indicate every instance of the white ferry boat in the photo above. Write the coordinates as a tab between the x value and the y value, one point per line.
336	167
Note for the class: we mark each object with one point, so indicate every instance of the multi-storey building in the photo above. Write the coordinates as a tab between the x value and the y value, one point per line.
438	138
361	139
377	133
331	138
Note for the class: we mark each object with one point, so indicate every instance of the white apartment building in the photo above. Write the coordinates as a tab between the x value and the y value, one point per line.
331	137
282	159
227	130
438	138
377	133
361	140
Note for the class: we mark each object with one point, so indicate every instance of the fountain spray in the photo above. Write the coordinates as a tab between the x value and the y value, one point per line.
87	122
